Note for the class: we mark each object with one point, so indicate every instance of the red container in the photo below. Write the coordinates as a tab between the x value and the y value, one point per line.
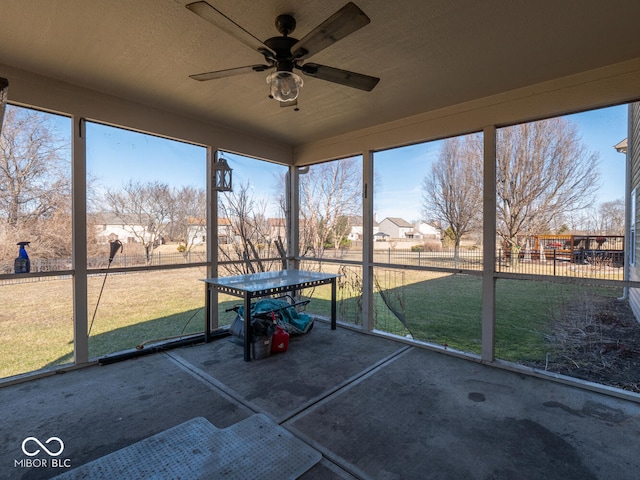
280	340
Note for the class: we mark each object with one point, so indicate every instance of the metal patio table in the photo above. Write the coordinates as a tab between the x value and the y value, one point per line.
264	284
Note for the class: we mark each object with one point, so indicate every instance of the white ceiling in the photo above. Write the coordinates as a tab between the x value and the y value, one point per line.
429	54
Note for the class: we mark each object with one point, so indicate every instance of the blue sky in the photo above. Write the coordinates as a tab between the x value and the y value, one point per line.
398	180
601	130
114	156
399	172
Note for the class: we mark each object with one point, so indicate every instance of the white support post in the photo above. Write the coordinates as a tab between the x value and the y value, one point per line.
626	268
212	236
489	246
368	322
293	217
79	241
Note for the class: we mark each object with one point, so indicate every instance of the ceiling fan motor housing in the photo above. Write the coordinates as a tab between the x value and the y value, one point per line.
285	24
282	47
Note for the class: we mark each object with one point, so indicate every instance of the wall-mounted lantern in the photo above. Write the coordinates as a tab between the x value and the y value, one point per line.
222	175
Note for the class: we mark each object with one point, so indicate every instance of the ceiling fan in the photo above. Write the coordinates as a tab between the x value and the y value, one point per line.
284	54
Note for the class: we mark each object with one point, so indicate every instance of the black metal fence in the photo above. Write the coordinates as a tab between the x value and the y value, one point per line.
41	265
588	264
584	264
468	259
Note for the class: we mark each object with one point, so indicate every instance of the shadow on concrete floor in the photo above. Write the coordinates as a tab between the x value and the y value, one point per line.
373	407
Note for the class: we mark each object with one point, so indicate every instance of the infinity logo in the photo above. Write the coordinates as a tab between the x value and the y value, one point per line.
38	442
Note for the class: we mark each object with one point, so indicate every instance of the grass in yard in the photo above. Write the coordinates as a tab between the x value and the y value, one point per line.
36	326
36	321
142	306
527	313
445	309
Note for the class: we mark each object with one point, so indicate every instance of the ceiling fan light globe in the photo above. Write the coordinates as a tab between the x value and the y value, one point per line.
285	86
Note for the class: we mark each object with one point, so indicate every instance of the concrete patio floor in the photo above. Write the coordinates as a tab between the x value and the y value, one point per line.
373	407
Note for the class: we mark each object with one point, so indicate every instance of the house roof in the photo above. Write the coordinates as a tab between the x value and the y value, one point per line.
621	146
203	221
400	222
197	221
357	221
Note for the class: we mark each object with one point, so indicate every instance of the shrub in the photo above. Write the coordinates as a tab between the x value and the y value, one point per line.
432	246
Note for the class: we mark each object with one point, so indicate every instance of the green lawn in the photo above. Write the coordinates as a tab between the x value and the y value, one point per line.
36	324
445	309
36	321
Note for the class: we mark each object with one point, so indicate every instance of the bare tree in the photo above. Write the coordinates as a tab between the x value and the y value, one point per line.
606	218
452	193
34	167
611	218
330	193
248	228
544	172
35	183
189	207
145	208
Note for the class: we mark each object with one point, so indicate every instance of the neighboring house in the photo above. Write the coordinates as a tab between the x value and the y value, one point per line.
398	228
428	231
110	227
277	229
197	231
631	147
356	229
225	231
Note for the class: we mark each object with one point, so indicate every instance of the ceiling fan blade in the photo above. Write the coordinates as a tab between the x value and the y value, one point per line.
220	20
342	23
230	72
343	77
